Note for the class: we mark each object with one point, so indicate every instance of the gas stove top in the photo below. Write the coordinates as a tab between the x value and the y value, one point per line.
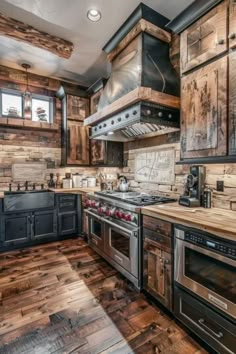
135	198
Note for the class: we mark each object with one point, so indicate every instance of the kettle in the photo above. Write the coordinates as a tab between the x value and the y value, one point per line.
123	185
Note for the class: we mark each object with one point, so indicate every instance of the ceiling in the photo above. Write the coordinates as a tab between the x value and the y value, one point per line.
67	19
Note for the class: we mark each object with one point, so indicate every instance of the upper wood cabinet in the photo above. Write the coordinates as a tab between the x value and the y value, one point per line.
94	99
204	111
207	37
77	107
77	144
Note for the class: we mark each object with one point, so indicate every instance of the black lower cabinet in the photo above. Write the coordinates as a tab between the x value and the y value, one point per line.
214	329
15	229
67	223
44	224
26	228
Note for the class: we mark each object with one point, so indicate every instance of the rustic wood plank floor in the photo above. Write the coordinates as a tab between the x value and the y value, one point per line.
63	298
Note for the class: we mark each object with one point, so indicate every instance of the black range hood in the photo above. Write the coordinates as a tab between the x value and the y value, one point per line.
143	63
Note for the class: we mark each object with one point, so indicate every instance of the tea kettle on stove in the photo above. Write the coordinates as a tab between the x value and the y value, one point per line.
123	185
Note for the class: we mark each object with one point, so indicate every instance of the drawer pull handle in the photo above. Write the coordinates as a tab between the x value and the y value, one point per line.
202	323
119	258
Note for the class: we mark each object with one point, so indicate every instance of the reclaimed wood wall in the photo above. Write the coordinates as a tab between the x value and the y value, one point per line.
24	141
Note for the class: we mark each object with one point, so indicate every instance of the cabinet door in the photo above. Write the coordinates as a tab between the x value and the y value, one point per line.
232	23
98	152
67	223
77	107
114	154
15	229
77	144
205	39
157	273
232	103
44	224
94	99
204	111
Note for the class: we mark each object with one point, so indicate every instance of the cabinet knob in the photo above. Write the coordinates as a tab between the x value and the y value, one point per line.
232	35
220	41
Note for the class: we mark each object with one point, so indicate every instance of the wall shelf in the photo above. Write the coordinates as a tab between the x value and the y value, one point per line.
27	124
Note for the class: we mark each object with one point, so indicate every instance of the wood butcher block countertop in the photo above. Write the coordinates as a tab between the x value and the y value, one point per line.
76	190
216	221
68	190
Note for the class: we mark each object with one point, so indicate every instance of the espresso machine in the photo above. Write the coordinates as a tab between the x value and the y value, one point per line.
194	187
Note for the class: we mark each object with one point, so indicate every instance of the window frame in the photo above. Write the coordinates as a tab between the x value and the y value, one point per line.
48	99
11	92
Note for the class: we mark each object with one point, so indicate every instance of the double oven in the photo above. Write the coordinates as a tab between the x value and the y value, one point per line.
118	242
205	286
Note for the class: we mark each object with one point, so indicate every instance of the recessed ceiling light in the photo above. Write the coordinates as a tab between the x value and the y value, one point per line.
94	15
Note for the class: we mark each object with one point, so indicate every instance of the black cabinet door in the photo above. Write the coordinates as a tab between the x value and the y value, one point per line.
15	229
67	223
114	154
44	224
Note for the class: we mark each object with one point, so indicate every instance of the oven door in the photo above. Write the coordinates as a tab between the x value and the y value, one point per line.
121	244
95	230
207	274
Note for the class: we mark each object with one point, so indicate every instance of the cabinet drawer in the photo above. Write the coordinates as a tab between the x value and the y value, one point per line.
156	240
157	225
205	39
211	327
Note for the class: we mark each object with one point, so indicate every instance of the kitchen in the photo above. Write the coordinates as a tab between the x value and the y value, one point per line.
117	177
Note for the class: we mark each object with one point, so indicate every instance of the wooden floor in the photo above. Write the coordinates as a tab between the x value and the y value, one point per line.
63	298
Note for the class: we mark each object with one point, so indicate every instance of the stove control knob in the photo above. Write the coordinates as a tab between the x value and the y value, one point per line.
88	202
108	212
93	203
116	213
121	215
103	209
130	217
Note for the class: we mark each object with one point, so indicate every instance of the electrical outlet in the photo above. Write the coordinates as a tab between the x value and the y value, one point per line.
220	186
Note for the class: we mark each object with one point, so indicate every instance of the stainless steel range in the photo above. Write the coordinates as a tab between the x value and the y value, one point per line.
114	228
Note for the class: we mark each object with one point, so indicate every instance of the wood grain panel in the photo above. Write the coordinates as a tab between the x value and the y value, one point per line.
232	103
205	39
78	144
204	111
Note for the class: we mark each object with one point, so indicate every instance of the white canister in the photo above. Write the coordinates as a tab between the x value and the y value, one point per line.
91	181
76	180
84	183
67	183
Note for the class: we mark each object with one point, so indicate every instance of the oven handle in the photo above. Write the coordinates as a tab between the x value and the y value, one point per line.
120	227
219	335
94	215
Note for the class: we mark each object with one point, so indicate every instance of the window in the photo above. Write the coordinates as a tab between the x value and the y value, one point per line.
11	104
42	109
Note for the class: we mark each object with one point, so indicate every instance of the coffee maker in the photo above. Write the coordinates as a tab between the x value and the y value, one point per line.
194	187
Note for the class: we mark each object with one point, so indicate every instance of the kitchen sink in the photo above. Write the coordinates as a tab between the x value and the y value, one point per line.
28	200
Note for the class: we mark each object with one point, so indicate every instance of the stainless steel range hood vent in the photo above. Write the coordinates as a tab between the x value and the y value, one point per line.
136	121
141	96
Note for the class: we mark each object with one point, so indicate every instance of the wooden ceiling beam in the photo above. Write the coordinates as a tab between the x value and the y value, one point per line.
22	32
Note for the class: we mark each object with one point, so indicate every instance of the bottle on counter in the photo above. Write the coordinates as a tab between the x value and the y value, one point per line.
206	200
67	181
51	182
